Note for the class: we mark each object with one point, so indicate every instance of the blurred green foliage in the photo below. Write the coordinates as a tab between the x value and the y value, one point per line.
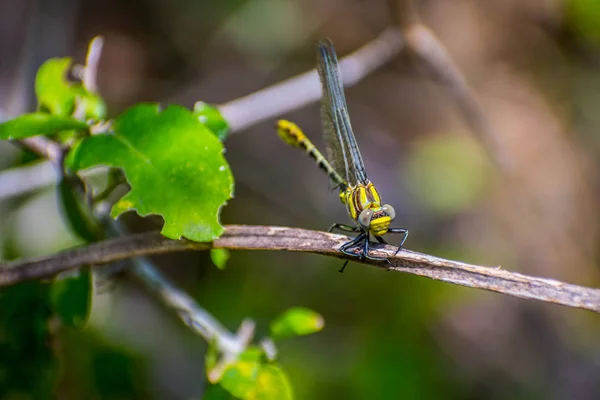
93	367
28	362
584	17
296	321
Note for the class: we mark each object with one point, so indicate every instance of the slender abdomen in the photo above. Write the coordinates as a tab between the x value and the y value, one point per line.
294	136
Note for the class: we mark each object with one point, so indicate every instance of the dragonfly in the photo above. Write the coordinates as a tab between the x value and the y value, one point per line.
344	164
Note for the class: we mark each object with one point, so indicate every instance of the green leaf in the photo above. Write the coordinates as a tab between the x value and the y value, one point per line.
212	118
57	95
71	297
35	124
252	353
296	321
53	90
219	257
250	380
174	165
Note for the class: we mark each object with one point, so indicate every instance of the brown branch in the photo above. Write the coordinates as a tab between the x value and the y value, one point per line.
242	237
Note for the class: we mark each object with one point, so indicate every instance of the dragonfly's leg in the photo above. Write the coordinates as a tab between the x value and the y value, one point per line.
366	252
338	186
401	231
343	227
344	266
382	240
344	248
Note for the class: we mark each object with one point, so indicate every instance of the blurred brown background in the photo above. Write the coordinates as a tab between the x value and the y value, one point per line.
535	70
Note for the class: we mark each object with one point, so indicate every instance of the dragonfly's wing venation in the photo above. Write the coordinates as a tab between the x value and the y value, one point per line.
336	153
342	150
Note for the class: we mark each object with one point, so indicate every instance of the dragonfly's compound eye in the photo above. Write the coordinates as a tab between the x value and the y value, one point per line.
364	218
389	210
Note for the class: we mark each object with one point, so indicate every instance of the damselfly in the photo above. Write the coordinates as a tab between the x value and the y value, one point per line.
344	164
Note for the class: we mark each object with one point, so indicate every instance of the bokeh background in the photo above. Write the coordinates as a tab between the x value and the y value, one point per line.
534	68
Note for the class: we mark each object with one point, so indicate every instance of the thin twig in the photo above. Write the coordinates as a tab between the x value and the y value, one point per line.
241	237
90	72
303	89
193	316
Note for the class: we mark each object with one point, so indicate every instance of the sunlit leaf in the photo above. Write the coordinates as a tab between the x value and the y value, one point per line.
173	163
212	118
296	321
219	257
35	124
252	380
59	96
53	90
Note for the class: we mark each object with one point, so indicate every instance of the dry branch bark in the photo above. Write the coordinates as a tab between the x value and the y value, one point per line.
244	237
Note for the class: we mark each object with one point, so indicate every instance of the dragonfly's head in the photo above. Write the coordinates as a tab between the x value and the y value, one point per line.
377	220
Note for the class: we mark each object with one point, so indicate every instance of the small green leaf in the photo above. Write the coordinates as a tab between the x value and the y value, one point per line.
219	257
59	96
212	118
296	321
71	297
35	124
251	380
53	90
273	383
239	379
173	163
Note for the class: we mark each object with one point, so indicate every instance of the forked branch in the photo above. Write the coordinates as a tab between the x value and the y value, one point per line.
243	237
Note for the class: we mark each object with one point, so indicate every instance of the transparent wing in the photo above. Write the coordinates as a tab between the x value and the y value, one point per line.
342	150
